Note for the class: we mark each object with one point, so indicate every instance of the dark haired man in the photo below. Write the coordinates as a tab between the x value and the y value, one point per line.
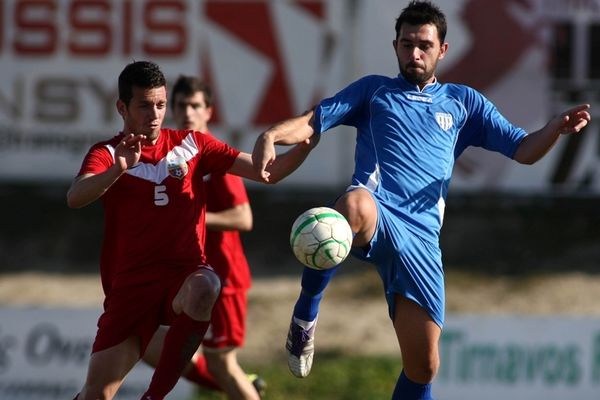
153	265
410	131
228	213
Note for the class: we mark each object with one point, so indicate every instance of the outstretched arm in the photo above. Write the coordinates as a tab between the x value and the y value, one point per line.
291	131
280	167
87	188
535	145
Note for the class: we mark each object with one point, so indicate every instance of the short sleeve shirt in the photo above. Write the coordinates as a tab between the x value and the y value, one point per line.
408	140
154	213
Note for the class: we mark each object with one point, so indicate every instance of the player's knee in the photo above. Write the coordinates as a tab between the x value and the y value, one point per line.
202	292
358	207
93	392
423	372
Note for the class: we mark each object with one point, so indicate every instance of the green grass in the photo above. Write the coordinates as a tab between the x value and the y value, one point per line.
333	377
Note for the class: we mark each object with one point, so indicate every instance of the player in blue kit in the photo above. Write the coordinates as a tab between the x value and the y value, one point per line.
410	131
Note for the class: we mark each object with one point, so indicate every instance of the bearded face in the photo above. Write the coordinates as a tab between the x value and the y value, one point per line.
418	50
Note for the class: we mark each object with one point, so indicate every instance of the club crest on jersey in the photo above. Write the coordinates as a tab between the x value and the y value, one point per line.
444	120
177	167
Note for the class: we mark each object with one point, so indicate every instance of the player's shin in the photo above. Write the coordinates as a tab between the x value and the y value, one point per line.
313	284
182	340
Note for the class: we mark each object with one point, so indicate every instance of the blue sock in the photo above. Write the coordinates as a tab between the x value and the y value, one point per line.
314	283
409	390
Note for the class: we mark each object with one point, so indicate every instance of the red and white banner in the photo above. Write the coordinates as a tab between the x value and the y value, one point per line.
271	59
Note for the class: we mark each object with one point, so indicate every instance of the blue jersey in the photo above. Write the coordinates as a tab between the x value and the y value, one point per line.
408	140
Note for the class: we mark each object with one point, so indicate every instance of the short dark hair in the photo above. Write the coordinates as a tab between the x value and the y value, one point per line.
142	74
190	85
421	12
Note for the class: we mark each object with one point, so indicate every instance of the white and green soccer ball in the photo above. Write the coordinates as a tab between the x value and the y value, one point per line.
321	238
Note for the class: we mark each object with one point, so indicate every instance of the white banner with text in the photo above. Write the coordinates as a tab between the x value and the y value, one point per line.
519	358
44	354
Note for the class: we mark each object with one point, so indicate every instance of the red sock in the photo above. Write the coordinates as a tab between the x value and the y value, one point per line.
181	342
200	375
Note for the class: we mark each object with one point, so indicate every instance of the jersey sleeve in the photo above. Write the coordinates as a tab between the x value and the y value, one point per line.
98	159
347	107
217	156
486	127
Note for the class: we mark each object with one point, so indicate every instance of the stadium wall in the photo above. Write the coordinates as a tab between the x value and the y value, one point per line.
494	233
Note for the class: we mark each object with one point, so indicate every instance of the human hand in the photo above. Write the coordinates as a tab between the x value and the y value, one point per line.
572	120
263	156
128	151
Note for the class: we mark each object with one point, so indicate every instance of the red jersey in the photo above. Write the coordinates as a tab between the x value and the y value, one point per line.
155	212
224	249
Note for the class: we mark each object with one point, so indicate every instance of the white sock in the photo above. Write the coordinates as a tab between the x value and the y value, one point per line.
306	325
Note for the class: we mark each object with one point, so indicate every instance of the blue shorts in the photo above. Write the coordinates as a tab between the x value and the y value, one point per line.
408	265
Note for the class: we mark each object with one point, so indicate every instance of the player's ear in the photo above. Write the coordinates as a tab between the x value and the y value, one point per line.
443	50
121	108
209	112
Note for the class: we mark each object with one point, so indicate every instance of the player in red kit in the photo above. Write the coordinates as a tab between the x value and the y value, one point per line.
227	213
153	265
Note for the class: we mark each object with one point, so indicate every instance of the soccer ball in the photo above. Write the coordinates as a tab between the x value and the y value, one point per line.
321	238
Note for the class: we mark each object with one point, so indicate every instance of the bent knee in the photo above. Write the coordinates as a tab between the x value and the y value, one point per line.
423	372
203	288
94	392
360	210
201	291
356	204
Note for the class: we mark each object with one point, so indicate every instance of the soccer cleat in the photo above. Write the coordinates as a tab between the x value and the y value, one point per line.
300	346
259	384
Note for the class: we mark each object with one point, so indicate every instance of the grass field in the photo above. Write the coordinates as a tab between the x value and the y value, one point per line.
334	376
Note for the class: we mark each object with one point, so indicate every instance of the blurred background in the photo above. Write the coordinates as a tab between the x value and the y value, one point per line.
267	60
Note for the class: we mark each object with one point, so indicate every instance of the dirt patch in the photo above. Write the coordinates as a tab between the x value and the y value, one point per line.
353	317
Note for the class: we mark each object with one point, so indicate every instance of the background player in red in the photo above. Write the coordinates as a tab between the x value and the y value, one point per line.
153	267
227	213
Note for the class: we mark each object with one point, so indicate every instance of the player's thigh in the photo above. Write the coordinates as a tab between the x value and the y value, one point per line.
418	336
108	368
359	208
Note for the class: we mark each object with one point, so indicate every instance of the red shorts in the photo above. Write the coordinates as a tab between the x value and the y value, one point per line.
139	309
228	322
